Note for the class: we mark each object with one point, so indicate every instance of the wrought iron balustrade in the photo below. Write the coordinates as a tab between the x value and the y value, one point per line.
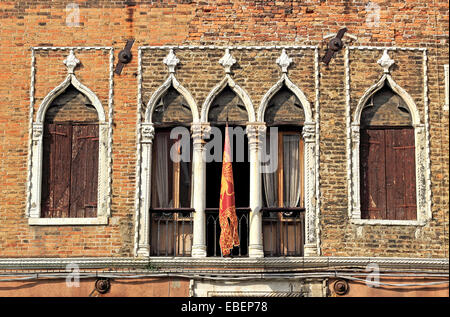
213	232
283	231
171	231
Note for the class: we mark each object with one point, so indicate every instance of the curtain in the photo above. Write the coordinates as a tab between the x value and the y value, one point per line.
291	170
270	180
162	173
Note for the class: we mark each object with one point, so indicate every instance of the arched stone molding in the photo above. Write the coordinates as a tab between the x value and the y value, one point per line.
171	61
227	61
147	134
103	209
423	191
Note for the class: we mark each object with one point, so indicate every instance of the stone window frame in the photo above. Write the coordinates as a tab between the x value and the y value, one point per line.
146	136
34	191
446	87
422	163
200	129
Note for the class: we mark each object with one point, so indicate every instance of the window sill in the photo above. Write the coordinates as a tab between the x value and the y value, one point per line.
387	222
67	221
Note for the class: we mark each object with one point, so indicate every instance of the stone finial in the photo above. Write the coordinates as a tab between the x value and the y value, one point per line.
284	61
171	61
385	62
71	62
227	61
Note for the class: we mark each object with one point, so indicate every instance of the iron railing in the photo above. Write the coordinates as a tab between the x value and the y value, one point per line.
283	231
213	232
171	232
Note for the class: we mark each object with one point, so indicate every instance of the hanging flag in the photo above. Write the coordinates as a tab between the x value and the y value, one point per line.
229	237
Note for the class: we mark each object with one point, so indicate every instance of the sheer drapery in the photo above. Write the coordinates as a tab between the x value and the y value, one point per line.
270	180
162	173
291	170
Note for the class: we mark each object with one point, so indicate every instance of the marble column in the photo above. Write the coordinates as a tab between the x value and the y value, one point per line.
147	135
199	133
309	136
254	134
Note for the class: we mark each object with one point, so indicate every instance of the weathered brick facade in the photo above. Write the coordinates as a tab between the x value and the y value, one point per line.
400	24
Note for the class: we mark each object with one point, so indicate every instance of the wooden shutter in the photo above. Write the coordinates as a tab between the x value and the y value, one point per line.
400	174
373	174
388	177
84	171
56	170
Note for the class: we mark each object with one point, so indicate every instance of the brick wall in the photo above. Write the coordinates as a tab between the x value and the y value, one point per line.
417	23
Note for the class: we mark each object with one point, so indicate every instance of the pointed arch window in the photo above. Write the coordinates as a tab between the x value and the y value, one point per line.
70	163
387	159
389	156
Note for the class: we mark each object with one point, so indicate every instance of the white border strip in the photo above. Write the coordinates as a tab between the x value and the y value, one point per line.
215	47
202	263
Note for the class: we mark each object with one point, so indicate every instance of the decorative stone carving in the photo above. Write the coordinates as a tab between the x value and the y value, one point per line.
227	61
385	62
37	131
148	132
284	61
71	62
309	132
171	61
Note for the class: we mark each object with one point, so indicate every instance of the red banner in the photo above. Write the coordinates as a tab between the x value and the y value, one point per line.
229	237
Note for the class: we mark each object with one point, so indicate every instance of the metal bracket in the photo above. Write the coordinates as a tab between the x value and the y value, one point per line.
125	57
334	46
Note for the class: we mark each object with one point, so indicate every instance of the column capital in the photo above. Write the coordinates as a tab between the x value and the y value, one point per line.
200	131
38	129
309	132
147	132
255	129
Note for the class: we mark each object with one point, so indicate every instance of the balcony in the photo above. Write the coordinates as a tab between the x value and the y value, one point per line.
172	232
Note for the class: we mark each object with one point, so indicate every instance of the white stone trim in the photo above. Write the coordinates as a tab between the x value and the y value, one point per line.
103	220
284	80
213	262
446	87
218	47
137	198
423	185
171	81
241	93
33	211
317	147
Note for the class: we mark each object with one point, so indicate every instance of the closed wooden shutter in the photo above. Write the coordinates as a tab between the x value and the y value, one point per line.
400	174
387	165
373	174
70	170
84	171
56	170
